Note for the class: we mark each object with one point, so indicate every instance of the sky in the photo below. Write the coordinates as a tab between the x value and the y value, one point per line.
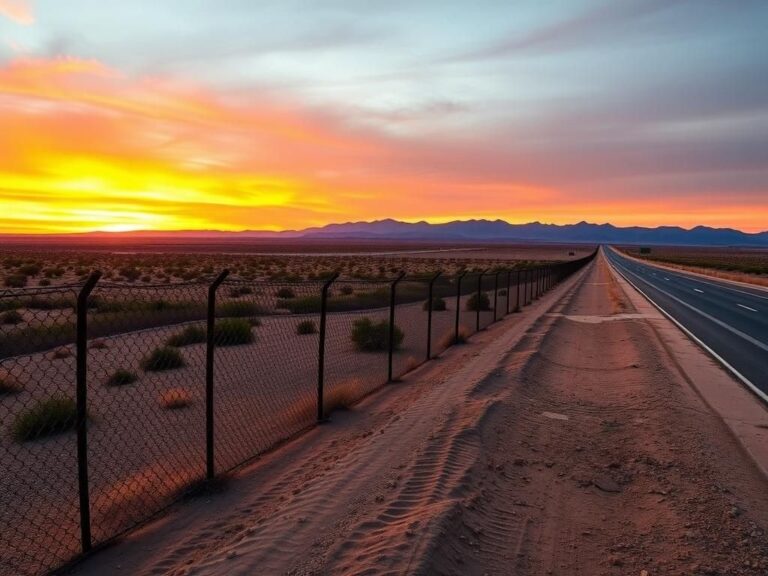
254	114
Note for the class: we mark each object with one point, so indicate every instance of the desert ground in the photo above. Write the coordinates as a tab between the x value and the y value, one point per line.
30	265
563	440
146	433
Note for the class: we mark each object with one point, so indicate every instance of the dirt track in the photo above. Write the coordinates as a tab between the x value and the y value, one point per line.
574	449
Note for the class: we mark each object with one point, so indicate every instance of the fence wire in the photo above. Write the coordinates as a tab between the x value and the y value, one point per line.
187	381
39	518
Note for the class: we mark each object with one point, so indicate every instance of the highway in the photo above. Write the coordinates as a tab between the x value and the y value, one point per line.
730	320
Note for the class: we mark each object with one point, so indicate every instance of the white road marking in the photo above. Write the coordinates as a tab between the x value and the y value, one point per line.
745	336
699	291
762	395
665	278
747	308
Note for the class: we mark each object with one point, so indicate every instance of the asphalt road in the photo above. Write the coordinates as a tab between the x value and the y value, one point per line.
729	319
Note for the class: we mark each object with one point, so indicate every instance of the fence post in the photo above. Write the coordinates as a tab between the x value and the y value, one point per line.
495	293
209	356
458	305
517	300
81	410
479	292
509	288
321	349
392	295
429	315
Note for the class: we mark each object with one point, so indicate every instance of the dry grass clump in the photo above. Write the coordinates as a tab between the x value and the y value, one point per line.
306	327
175	399
165	358
343	395
54	415
9	384
12	317
450	339
99	344
61	353
190	335
121	377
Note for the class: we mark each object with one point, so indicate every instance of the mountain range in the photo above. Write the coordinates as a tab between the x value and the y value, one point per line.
462	231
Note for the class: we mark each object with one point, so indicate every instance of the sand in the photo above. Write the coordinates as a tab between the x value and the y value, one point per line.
563	440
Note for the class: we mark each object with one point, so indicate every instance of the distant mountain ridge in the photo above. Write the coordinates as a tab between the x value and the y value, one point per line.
499	230
468	231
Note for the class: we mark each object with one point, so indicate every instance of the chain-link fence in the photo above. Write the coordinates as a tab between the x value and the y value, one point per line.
115	399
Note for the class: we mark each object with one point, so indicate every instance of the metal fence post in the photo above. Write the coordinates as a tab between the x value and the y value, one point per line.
458	305
479	292
321	349
392	296
81	410
509	288
210	468
495	293
429	314
517	300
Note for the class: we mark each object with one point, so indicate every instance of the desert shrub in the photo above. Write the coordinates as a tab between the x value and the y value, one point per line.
44	282
121	377
370	336
285	293
47	417
503	292
12	317
129	273
438	304
175	398
346	290
484	302
238	309
232	332
49	303
190	335
9	384
238	291
29	269
165	358
253	321
306	327
15	280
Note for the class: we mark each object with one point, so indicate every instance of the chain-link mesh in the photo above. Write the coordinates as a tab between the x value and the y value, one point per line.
39	518
146	382
356	349
265	366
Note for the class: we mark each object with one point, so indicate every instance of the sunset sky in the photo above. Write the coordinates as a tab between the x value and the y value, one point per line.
254	114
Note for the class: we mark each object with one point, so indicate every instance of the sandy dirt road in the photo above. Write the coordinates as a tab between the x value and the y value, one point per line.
560	441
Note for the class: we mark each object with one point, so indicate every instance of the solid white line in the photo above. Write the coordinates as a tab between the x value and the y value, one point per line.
699	291
665	278
759	393
746	307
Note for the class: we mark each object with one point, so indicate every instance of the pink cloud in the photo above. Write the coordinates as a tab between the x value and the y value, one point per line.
20	11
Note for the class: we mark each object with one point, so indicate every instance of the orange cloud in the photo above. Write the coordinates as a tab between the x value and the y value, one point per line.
20	11
86	147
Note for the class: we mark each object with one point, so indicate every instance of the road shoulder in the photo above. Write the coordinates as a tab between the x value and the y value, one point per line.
744	414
